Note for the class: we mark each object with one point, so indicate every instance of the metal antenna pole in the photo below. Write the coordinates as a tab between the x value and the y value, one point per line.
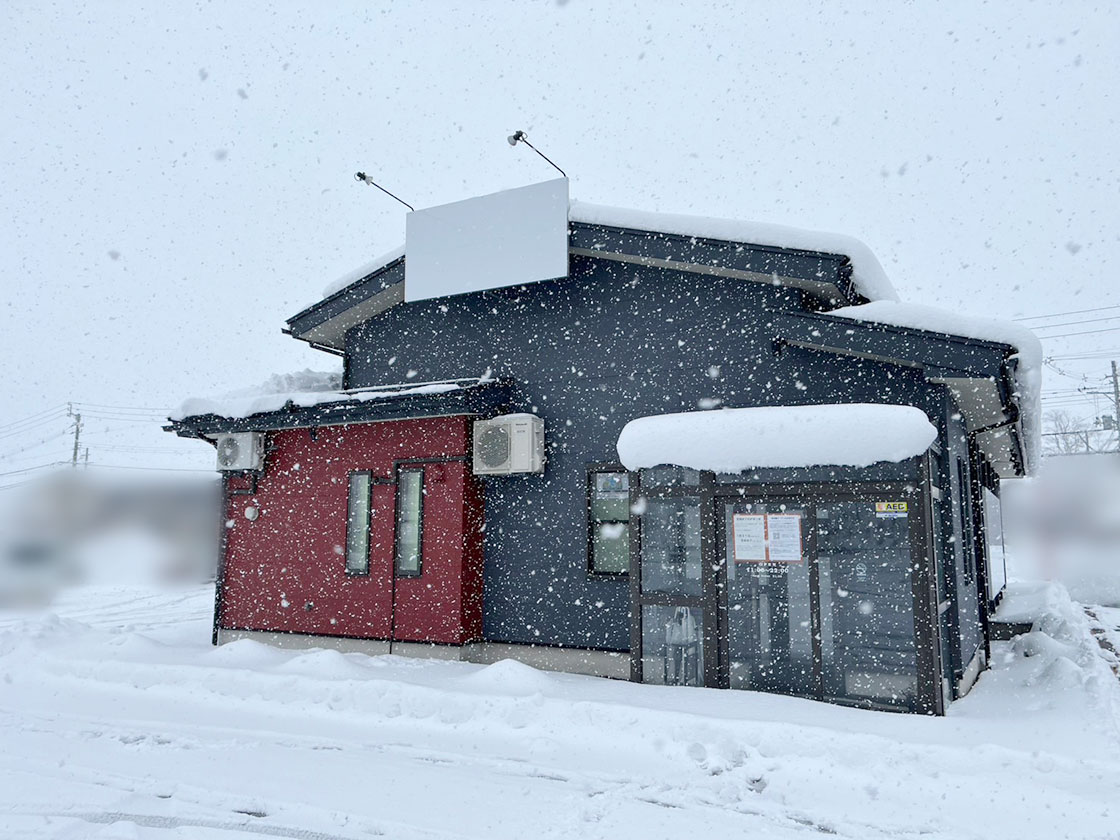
365	179
520	137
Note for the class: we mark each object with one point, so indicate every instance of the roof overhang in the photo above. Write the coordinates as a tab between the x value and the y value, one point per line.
369	405
827	278
324	325
980	374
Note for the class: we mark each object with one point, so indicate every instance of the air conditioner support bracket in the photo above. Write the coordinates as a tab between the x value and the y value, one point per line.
251	490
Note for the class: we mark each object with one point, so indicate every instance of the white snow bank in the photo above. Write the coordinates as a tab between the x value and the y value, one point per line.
736	439
361	271
1028	375
304	389
1023	602
1065	667
509	677
867	274
121	720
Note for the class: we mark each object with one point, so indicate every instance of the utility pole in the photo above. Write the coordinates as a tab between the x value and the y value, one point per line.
1114	395
1116	404
77	432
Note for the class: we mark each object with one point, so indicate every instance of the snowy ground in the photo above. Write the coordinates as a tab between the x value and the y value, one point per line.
119	720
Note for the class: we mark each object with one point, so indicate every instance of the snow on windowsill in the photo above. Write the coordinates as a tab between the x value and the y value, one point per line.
1028	372
735	439
867	274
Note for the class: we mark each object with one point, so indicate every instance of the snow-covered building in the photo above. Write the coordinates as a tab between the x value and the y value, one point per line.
669	449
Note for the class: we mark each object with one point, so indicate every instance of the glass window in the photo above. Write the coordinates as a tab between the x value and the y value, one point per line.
993	536
672	645
670	477
610	523
410	522
671	546
769	618
357	525
968	546
868	645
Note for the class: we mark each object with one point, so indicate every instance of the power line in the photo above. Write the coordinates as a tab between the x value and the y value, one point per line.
114	415
41	442
1086	332
1105	353
1074	323
38	414
145	450
33	469
149	408
32	431
1063	314
30	427
14	484
149	469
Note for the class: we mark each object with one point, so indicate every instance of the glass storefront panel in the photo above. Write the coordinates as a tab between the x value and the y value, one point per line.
866	600
672	645
769	618
670	477
671	546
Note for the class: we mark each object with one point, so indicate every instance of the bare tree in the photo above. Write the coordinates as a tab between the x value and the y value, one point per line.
1067	435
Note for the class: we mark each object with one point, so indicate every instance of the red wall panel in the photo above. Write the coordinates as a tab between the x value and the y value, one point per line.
286	570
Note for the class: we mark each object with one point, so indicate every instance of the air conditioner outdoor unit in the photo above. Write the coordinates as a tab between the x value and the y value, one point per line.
512	443
240	451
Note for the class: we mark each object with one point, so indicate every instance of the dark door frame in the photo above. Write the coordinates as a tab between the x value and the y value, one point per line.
713	599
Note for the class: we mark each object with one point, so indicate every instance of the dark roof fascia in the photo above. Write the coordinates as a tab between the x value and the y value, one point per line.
818	267
940	354
348	297
766	260
483	400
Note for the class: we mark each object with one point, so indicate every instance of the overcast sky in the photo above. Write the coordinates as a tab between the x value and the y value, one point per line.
176	179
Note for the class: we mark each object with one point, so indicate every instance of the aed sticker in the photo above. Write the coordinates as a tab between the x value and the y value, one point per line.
891	510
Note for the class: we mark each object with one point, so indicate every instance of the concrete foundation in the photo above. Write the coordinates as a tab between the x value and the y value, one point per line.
595	663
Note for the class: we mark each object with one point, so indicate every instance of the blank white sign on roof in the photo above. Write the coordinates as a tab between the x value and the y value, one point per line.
503	239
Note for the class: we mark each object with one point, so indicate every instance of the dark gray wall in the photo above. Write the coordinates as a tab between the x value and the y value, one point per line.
590	352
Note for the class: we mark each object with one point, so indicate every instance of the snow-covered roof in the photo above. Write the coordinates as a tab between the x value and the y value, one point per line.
735	439
867	274
362	271
1028	373
301	389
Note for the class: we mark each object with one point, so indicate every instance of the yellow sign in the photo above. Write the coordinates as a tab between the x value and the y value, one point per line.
890	509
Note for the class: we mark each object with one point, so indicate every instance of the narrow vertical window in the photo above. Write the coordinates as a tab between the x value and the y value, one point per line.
968	528
609	523
410	522
357	525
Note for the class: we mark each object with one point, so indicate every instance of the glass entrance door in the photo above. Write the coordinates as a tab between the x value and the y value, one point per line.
769	625
820	598
868	648
813	593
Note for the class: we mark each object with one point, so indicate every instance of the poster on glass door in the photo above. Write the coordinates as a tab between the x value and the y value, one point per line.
767	538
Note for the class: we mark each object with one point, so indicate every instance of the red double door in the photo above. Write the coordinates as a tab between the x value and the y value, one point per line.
289	558
425	575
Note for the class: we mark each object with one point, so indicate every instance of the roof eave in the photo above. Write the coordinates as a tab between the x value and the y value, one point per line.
480	399
968	359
